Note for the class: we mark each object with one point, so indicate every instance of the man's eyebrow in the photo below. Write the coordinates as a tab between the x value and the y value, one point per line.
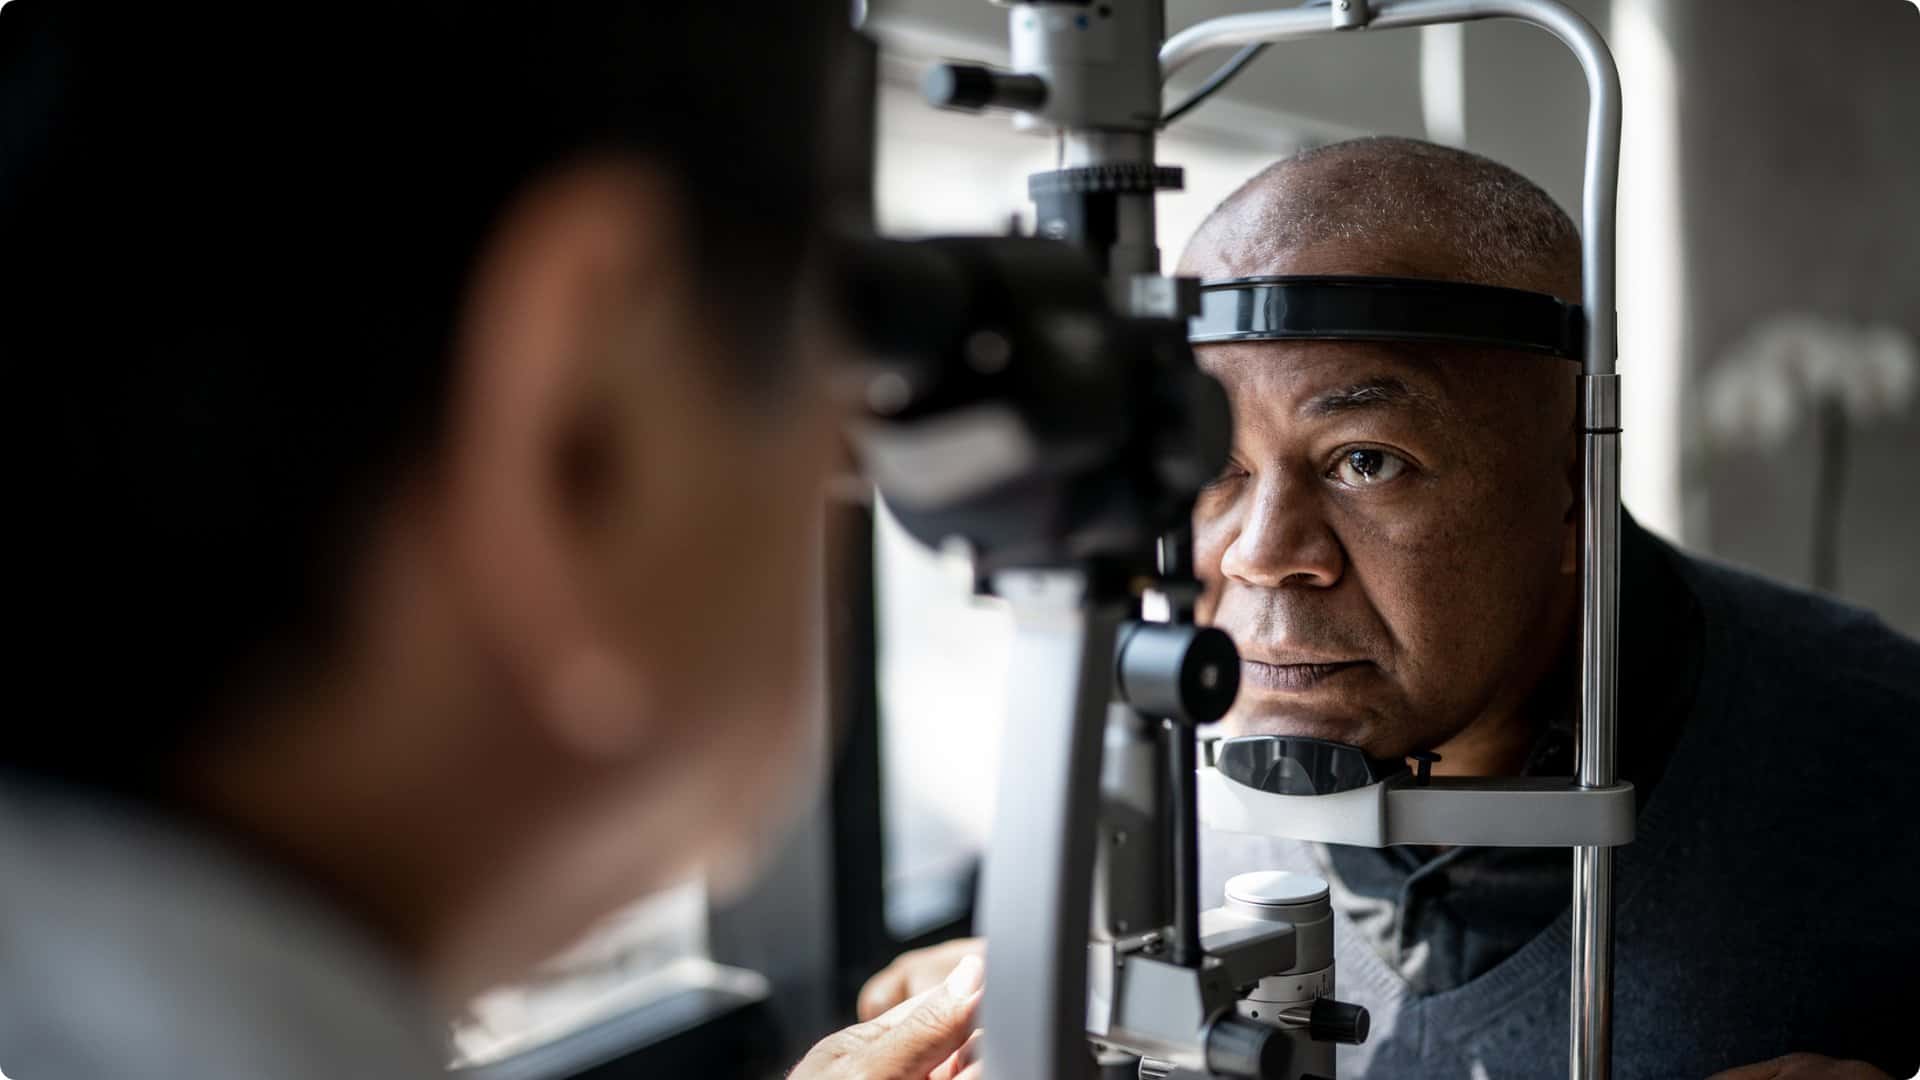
1383	392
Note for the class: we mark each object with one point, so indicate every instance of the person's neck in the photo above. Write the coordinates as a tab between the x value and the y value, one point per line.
287	813
456	846
400	782
396	820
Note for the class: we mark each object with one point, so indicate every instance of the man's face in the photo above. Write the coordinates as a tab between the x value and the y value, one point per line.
1387	544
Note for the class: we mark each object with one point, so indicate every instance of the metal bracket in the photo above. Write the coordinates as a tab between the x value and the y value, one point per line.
1600	403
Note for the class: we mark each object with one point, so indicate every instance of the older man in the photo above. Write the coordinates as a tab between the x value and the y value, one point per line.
1394	547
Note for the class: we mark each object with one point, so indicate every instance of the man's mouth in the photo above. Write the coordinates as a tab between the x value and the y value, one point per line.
1260	675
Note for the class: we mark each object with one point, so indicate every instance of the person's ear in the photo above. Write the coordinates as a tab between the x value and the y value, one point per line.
577	278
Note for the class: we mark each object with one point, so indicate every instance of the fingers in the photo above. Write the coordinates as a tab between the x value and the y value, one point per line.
913	1037
882	992
932	1027
913	973
956	1066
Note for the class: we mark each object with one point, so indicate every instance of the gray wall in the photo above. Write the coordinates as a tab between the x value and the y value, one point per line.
1800	191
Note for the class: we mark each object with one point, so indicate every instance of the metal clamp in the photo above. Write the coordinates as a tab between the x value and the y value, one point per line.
1600	403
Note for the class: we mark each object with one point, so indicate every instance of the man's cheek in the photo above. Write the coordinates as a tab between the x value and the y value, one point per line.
1429	527
1417	586
1444	618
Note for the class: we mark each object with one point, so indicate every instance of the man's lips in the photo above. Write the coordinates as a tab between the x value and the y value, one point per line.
1261	675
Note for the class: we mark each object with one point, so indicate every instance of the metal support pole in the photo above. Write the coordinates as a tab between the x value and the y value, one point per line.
1591	991
1590	1043
1037	886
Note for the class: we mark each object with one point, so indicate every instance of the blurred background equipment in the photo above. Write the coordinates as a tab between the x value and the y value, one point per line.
1795	372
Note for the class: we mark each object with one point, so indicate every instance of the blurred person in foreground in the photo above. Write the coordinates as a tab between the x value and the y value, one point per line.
1394	547
418	441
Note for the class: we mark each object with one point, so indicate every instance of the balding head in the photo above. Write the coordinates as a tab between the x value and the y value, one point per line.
1391	543
1397	206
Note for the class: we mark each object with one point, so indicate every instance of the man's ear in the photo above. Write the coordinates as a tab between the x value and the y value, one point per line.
567	285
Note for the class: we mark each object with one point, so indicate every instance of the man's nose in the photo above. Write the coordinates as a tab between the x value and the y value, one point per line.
1284	540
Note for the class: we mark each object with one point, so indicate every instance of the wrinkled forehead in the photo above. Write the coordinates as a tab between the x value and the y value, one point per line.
1282	379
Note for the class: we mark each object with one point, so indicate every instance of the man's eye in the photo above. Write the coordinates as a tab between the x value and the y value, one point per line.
1366	468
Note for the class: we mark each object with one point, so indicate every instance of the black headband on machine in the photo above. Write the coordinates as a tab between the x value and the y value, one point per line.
1355	308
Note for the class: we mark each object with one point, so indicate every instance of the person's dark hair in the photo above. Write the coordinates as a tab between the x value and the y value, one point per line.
236	238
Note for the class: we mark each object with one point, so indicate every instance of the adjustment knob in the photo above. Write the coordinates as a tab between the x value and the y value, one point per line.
1338	1022
1247	1049
1183	672
972	88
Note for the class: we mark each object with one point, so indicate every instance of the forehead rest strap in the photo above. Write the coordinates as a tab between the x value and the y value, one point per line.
1358	308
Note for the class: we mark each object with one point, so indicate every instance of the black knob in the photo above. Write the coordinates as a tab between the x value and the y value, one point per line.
1338	1022
971	87
1247	1049
1182	672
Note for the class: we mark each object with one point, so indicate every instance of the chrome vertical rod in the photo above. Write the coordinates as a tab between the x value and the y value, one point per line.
1591	1003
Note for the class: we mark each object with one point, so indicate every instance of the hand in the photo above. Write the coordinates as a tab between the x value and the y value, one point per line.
1804	1067
929	1036
913	973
